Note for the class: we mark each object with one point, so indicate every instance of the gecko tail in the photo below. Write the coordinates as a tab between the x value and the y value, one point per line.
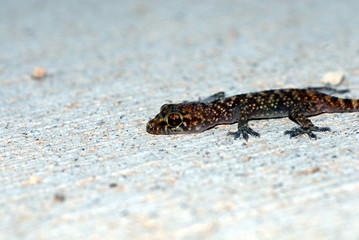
342	104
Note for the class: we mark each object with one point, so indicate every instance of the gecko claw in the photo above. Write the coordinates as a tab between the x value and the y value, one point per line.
244	132
296	132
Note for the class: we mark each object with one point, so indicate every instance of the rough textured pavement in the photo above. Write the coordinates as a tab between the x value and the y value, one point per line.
76	162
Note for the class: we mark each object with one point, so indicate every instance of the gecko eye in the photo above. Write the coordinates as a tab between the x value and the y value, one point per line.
174	119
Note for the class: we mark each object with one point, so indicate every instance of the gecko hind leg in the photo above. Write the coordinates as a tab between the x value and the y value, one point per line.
328	90
295	132
214	97
306	126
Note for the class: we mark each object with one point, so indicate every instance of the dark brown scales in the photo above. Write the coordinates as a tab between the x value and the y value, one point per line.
297	104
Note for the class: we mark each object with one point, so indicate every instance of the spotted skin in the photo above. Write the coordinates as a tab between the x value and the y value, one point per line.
297	104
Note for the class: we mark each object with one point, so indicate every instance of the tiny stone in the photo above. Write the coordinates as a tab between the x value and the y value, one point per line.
38	73
33	180
59	197
333	78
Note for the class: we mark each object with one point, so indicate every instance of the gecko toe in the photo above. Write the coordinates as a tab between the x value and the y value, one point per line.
235	134
296	132
247	130
253	133
245	136
292	133
244	132
320	129
311	135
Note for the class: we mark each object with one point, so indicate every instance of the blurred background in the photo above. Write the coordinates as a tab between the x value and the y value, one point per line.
80	79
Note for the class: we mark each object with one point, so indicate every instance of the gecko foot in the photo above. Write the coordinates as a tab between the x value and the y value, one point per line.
295	132
244	132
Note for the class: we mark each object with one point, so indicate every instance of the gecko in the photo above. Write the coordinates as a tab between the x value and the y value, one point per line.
297	104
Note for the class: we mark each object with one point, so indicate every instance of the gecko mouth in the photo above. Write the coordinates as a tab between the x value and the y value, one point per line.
161	130
153	129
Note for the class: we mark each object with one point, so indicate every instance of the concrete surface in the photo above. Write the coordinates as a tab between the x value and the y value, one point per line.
76	162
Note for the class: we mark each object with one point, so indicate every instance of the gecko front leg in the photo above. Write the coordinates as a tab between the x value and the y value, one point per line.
242	112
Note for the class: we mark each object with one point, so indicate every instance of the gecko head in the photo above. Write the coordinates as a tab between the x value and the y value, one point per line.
177	119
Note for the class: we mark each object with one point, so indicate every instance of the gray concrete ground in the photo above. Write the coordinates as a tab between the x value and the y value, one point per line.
77	163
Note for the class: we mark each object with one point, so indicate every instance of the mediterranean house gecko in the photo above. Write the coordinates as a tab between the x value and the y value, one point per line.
297	104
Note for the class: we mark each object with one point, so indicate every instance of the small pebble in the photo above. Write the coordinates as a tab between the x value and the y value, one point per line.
59	197
38	73
333	78
33	180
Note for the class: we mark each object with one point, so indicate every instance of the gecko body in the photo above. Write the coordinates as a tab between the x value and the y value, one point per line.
297	104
